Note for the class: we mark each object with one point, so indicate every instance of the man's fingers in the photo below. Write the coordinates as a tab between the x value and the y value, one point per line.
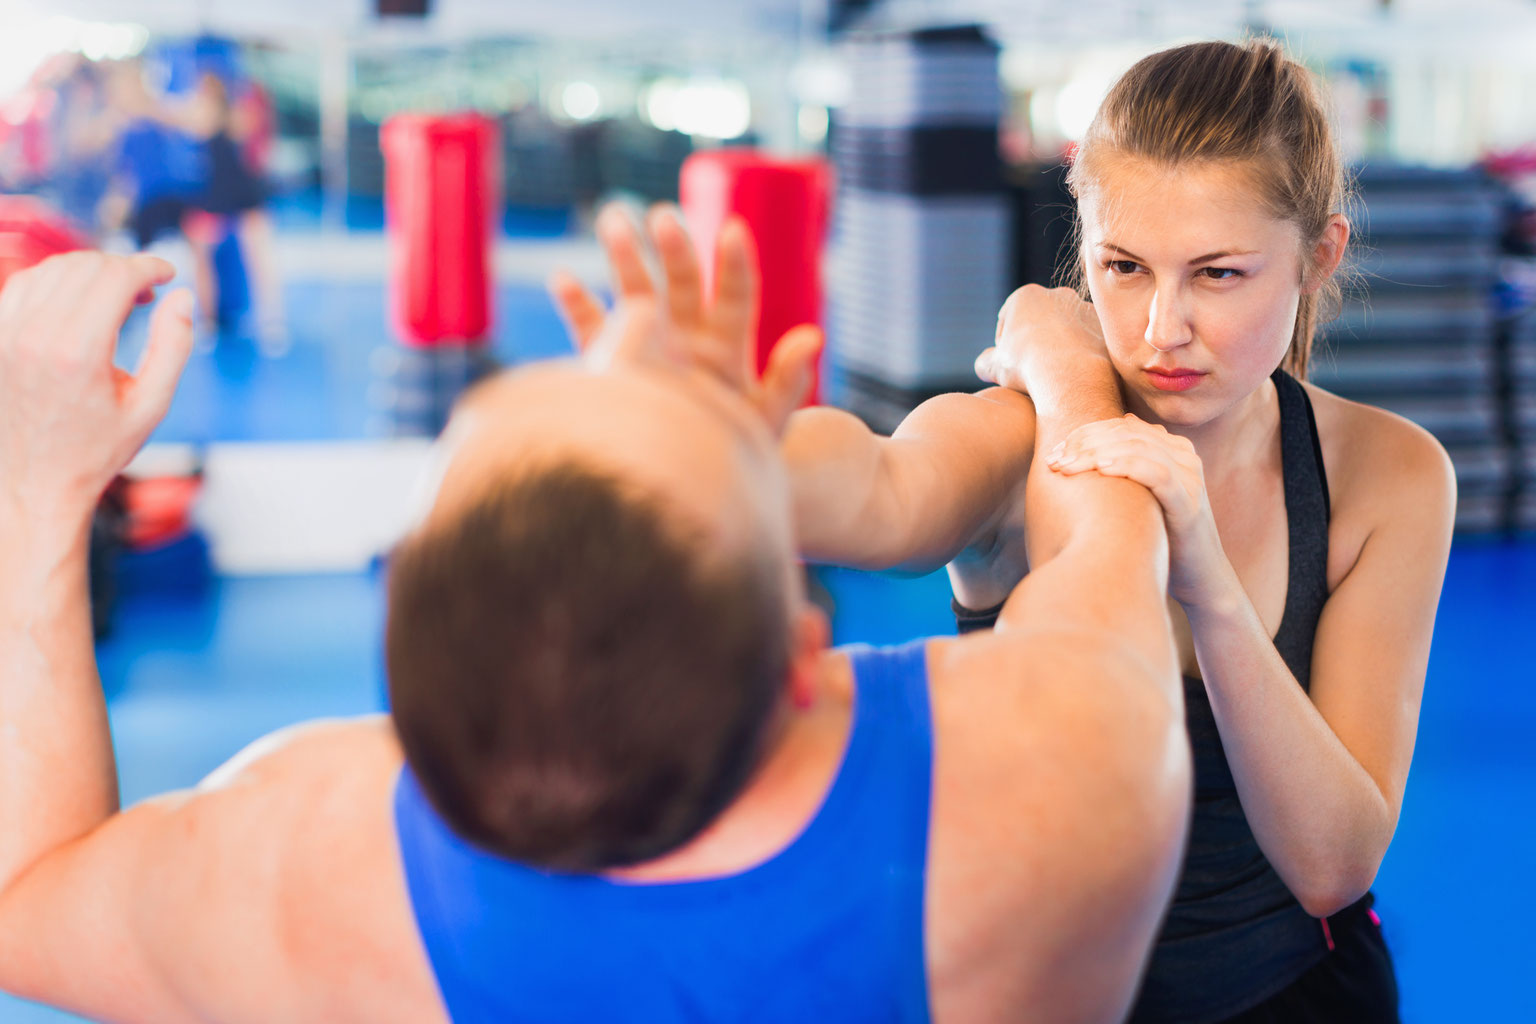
634	334
151	269
113	284
787	377
986	364
165	356
733	313
679	266
579	309
616	230
994	367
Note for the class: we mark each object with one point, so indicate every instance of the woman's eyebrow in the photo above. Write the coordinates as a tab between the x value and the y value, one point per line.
1123	252
1222	254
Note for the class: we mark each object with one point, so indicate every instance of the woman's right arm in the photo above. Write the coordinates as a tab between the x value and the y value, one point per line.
915	500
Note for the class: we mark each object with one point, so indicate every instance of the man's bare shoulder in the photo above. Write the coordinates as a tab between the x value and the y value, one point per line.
298	839
361	743
271	891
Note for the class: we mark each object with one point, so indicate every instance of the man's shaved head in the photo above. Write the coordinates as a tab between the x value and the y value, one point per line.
698	449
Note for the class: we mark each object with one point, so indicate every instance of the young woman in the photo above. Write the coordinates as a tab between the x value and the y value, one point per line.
1309	535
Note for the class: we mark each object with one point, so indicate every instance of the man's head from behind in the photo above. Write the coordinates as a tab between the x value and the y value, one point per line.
590	635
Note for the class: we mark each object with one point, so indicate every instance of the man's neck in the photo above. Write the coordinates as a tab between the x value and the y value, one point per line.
783	796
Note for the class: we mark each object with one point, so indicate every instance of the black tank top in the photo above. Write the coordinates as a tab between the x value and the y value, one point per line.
1234	934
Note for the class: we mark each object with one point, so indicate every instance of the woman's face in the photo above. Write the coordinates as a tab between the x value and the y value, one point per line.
1195	282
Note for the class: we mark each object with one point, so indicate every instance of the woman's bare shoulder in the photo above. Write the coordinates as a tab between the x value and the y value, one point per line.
1376	459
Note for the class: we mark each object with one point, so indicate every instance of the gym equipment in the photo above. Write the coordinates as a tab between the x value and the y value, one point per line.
441	198
1416	334
30	232
922	228
785	204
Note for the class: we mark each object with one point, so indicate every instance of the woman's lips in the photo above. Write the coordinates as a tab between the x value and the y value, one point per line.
1174	380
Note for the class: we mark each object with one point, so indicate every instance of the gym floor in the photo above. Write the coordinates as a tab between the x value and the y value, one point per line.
194	674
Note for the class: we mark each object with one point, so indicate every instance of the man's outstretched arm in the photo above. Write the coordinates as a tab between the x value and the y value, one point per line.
132	916
1071	716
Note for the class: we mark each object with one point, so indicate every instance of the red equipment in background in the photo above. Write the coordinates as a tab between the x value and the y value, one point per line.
786	204
30	232
442	180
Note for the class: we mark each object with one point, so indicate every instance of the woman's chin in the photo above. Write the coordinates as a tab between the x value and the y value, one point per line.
1171	409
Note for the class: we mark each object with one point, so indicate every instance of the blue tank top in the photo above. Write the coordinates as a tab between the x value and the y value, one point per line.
830	928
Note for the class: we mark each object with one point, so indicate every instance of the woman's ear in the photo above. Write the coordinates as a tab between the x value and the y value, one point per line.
1327	253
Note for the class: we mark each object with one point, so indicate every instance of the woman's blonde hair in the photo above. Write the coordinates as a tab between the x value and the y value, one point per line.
1242	103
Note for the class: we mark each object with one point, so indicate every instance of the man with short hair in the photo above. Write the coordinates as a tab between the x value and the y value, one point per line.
624	777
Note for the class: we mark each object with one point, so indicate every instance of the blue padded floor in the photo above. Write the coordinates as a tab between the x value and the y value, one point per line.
319	390
192	678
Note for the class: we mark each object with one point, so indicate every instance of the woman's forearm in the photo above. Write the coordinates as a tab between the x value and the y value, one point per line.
1317	814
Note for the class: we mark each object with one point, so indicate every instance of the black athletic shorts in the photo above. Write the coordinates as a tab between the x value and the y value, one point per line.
1353	984
157	217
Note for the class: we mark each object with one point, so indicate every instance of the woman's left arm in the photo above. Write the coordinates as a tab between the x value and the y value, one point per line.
1321	780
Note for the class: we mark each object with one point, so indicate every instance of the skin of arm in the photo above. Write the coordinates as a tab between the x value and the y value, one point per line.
1321	776
917	499
70	421
1070	721
1322	779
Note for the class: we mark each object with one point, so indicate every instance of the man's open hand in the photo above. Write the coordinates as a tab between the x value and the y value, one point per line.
69	419
715	334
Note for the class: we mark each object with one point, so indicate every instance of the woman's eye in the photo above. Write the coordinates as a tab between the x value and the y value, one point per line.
1222	273
1122	266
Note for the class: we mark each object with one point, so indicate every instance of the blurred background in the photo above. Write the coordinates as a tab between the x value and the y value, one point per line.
368	194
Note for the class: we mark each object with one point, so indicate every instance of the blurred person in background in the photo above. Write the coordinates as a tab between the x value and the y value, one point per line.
156	173
88	131
232	199
186	162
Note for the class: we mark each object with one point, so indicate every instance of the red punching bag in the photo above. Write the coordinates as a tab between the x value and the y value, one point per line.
785	204
442	179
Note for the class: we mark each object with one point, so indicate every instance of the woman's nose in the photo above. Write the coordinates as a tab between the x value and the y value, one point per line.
1167	325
